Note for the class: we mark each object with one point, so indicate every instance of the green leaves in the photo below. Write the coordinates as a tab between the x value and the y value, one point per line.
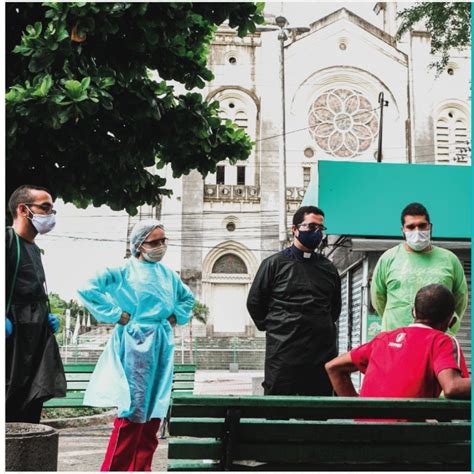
449	24
88	105
75	90
44	87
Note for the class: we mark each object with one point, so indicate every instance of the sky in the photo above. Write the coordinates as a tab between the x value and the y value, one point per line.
83	242
305	13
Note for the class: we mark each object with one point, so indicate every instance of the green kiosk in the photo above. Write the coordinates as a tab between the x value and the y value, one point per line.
363	202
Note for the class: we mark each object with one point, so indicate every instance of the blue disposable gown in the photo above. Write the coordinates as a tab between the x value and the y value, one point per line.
135	371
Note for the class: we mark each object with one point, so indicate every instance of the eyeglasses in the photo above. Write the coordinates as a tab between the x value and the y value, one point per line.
422	226
155	243
311	226
47	208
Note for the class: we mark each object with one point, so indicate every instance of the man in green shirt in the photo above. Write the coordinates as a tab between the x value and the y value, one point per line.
402	270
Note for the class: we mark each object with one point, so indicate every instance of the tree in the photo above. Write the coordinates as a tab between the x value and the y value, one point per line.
57	304
86	116
200	313
449	24
58	308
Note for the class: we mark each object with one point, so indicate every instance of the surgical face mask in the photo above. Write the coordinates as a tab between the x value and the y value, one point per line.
154	255
43	223
418	240
310	239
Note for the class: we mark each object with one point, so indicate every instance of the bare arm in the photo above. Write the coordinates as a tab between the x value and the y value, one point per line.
339	371
454	385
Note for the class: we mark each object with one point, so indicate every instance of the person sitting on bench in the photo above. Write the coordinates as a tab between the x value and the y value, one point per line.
418	361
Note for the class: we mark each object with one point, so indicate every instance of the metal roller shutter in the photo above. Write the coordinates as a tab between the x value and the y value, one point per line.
355	319
356	307
343	322
464	333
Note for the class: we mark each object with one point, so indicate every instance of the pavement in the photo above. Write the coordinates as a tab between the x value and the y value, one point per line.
82	449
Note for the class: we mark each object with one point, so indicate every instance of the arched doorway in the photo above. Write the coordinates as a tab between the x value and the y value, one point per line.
227	274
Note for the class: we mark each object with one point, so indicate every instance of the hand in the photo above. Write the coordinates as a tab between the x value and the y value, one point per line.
53	322
172	320
8	328
124	319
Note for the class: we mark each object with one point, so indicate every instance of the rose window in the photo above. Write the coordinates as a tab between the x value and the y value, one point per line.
343	122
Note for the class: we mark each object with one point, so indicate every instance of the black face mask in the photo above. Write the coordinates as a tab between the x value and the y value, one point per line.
310	238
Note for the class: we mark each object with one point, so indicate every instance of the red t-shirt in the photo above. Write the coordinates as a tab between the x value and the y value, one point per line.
404	363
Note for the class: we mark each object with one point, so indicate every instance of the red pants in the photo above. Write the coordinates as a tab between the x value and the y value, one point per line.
131	446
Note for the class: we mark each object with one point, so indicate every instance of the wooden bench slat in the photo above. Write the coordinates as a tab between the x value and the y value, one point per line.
266	430
323	413
181	377
77	385
193	466
183	385
195	449
324	453
184	368
64	403
320	407
354	453
346	467
309	402
78	368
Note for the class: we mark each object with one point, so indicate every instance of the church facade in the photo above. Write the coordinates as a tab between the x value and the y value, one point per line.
337	75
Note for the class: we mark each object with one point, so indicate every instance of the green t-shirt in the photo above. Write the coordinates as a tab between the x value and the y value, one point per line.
398	276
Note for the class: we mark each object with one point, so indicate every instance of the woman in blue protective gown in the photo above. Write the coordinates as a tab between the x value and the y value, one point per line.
135	371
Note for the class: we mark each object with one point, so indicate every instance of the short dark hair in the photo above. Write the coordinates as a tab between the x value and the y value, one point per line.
415	209
298	217
22	194
434	303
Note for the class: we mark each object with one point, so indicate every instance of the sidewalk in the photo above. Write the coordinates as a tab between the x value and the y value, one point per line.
82	449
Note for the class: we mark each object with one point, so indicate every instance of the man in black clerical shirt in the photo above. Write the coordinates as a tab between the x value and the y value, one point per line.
296	299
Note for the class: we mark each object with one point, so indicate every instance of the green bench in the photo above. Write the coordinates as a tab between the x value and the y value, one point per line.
78	376
77	379
183	383
318	434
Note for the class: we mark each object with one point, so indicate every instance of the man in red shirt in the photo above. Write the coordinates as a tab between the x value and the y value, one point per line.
418	361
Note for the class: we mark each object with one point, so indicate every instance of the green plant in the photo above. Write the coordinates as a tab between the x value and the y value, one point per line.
200	312
449	24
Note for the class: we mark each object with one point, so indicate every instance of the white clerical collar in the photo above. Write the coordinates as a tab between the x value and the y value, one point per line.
307	254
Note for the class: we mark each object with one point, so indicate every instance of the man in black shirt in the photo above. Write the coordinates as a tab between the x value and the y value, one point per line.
296	299
34	371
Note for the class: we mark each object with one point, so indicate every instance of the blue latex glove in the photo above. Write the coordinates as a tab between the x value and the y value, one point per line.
8	327
53	322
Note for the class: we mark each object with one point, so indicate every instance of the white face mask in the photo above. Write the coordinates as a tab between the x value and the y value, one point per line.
418	240
154	255
43	223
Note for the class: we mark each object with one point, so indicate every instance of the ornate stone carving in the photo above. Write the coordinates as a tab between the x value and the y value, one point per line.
343	122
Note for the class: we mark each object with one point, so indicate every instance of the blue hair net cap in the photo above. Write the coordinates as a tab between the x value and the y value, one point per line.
140	232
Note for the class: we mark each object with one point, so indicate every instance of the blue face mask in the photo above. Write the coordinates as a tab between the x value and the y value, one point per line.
310	239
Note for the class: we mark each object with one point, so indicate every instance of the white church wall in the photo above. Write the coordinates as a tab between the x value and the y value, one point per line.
171	216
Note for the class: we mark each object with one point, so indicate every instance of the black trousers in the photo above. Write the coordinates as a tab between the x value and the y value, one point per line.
306	380
16	412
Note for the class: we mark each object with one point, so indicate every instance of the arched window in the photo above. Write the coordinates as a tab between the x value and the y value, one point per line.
239	107
241	120
452	137
229	263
